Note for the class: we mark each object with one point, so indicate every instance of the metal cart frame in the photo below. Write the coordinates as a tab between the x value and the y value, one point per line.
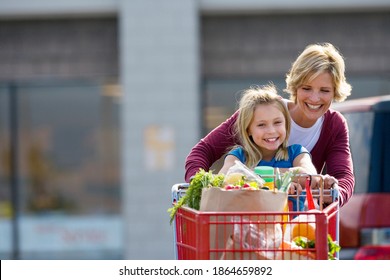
237	235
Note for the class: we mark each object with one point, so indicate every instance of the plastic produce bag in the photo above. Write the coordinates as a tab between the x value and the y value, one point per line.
253	241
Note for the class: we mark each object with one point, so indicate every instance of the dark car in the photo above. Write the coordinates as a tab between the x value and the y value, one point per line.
365	219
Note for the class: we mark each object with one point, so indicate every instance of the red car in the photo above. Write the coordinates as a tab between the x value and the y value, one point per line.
365	219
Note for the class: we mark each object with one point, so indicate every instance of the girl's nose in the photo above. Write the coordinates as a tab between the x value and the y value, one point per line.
271	128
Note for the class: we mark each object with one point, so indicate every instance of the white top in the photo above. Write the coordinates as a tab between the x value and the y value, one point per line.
307	137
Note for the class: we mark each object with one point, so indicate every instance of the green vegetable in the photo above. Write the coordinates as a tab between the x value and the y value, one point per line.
304	243
283	181
333	247
191	198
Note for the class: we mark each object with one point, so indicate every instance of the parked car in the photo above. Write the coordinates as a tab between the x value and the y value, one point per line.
365	219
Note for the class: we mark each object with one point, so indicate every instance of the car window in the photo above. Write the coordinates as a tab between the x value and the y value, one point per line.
360	126
379	180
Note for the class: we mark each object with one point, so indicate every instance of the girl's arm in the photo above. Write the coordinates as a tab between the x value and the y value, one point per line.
303	164
228	162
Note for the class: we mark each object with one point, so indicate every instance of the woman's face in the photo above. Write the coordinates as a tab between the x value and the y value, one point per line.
315	97
268	128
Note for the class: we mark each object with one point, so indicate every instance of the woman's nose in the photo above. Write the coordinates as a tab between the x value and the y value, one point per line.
314	96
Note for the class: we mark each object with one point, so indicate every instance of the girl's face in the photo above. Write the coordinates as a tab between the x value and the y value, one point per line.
268	129
315	97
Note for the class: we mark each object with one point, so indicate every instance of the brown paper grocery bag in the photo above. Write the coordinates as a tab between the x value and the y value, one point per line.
218	200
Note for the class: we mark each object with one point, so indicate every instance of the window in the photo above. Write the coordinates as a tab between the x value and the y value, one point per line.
67	170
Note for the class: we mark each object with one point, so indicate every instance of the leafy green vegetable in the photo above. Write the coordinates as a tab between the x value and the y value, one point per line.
304	242
333	246
284	180
191	198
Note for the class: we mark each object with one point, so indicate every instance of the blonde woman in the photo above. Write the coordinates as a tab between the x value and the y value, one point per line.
315	80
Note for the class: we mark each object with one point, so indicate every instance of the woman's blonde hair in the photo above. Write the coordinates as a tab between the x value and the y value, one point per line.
251	98
314	60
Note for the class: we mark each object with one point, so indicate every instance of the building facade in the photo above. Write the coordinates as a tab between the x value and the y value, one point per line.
100	104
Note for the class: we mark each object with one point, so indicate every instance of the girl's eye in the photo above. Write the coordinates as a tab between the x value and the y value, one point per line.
278	123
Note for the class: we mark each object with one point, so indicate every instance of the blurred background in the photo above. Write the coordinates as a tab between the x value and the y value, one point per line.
101	101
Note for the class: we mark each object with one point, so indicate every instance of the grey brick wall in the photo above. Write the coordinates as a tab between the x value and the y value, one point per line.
266	44
64	48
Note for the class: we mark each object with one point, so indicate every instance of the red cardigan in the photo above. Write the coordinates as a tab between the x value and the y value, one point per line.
332	148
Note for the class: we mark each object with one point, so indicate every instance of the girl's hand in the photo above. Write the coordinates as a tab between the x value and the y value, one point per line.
295	188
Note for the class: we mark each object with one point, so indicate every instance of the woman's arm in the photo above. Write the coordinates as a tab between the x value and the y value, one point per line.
339	161
333	149
211	148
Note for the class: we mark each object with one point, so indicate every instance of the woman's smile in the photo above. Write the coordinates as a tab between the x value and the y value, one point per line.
313	107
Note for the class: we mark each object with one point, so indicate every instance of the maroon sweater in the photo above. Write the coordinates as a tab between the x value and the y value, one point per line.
332	148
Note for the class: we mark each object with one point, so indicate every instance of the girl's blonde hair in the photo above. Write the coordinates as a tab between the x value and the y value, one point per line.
252	97
314	60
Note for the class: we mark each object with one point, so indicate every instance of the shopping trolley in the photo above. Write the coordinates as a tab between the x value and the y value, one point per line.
202	235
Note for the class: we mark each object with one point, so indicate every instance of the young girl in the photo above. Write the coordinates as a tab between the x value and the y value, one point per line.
263	127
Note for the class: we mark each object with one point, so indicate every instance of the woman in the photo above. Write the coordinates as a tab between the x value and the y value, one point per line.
315	80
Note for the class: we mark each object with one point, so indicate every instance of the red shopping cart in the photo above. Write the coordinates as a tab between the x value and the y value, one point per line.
202	235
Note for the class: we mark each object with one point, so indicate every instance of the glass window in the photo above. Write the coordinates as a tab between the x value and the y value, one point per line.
68	170
5	195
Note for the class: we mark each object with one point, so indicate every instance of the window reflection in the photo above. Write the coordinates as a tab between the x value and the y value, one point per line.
67	168
69	150
5	200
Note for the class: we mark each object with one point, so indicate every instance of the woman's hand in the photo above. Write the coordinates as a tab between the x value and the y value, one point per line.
328	181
